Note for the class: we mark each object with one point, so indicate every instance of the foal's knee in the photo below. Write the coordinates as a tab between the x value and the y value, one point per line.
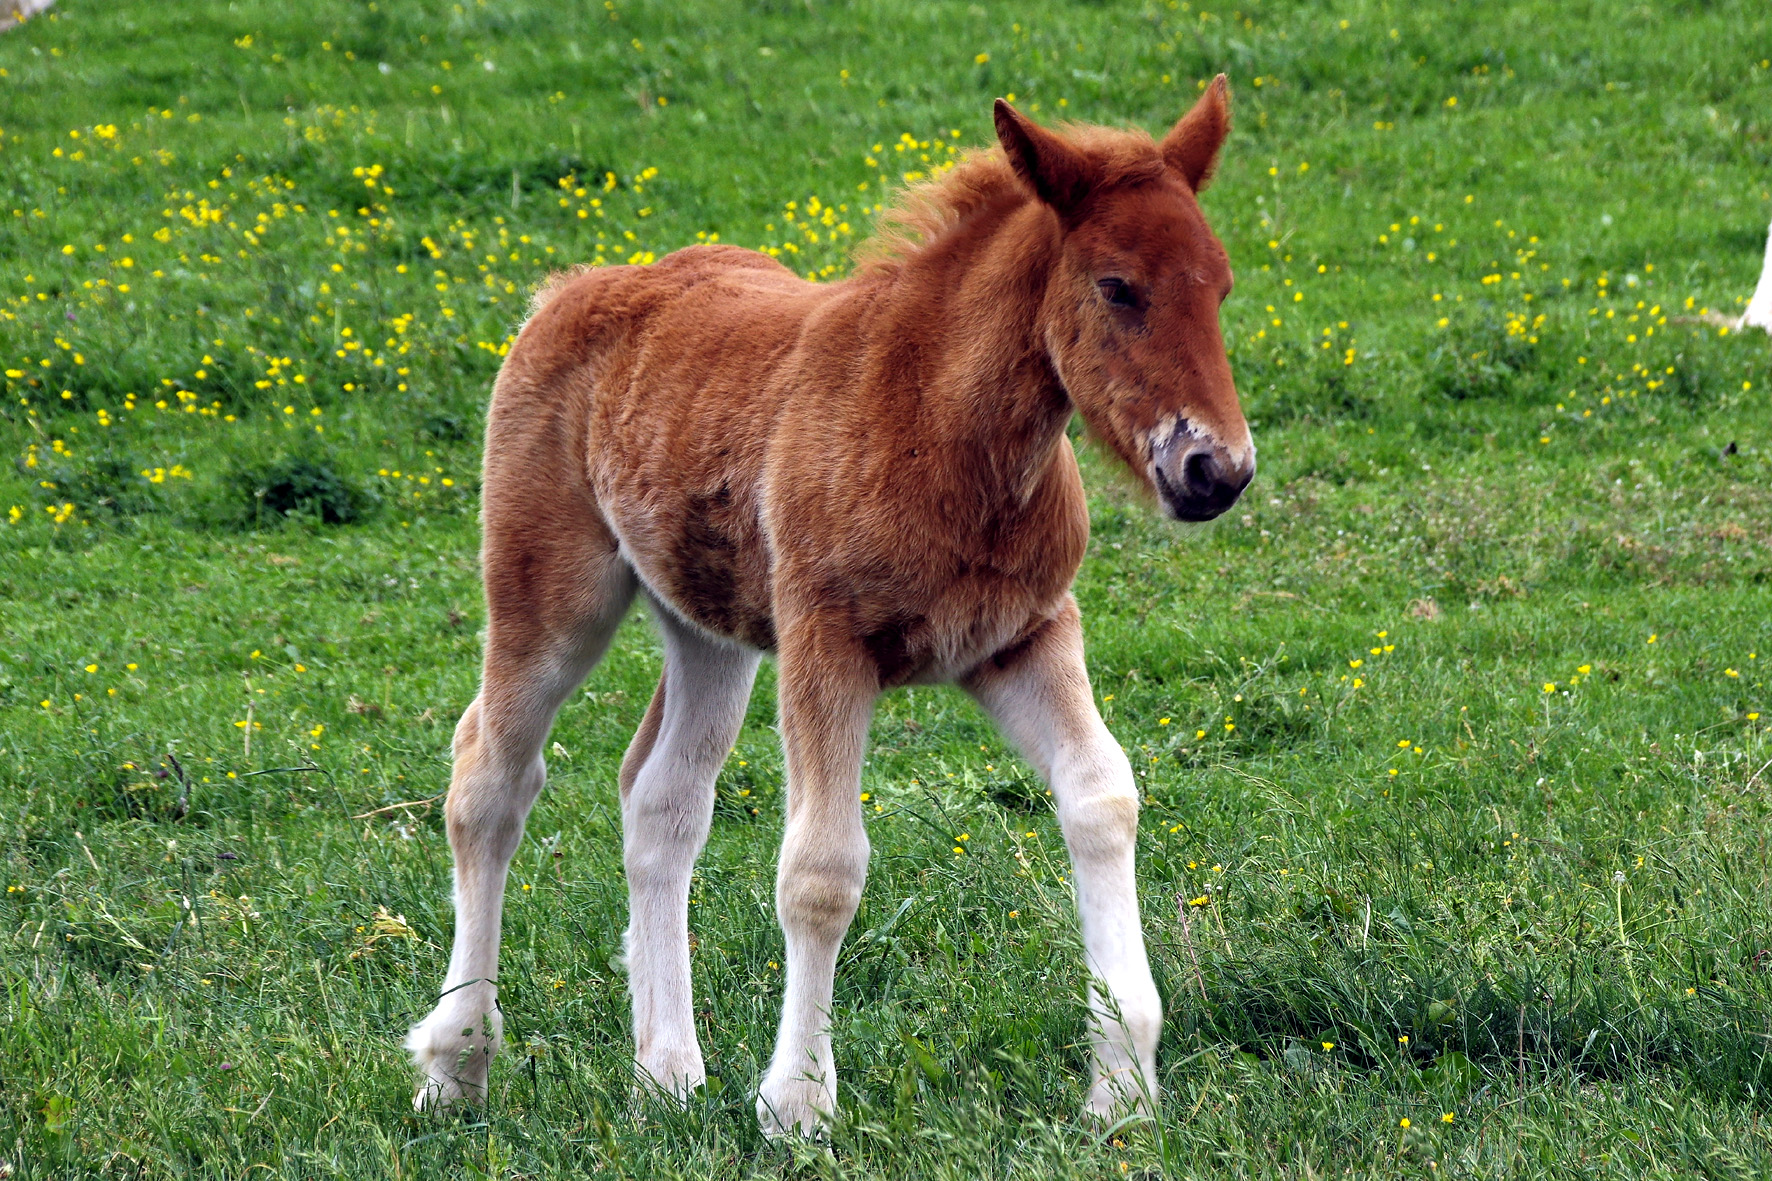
820	882
1098	807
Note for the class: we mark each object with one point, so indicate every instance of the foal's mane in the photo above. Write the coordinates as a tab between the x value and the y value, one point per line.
930	209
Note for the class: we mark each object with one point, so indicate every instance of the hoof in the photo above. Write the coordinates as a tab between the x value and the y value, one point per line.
1114	1098
453	1052
670	1077
440	1094
796	1107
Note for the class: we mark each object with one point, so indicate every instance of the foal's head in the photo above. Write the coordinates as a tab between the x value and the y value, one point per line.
1130	316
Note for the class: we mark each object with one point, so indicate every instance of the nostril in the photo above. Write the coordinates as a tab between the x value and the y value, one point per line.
1199	473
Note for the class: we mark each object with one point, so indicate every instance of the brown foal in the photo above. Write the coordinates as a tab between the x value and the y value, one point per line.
870	478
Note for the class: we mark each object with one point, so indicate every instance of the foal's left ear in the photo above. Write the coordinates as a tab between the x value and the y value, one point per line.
1191	147
1046	163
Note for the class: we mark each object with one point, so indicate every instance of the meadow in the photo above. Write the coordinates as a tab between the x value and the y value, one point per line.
1454	734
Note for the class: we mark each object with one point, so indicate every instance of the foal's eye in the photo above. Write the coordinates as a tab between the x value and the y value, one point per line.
1117	292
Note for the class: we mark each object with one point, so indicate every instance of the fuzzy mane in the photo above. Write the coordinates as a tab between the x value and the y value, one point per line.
928	209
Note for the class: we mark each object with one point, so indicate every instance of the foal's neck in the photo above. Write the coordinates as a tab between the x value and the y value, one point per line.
999	402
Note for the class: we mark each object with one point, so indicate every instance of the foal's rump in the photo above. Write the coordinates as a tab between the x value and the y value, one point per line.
650	392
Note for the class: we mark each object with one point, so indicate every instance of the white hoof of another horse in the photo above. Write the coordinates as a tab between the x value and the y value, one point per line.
794	1107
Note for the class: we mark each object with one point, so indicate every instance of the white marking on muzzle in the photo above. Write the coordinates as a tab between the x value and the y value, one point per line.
1179	424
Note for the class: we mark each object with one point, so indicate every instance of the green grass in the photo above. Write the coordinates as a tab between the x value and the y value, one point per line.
1489	631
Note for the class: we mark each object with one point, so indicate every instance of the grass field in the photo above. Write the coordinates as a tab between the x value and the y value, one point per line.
1455	732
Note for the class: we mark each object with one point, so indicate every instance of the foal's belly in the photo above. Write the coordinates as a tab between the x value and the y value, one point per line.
701	555
923	609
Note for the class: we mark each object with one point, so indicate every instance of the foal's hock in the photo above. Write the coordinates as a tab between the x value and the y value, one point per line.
871	479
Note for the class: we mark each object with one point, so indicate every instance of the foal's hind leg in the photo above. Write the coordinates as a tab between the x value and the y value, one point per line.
555	596
667	802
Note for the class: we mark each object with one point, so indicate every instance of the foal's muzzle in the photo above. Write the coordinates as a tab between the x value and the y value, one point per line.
1198	479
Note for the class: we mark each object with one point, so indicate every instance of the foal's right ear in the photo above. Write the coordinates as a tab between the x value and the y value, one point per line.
1056	172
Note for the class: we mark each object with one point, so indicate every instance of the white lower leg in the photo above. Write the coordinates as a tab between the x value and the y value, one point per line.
1041	698
455	1044
488	803
665	818
667	1053
818	888
1759	307
531	665
828	686
1098	810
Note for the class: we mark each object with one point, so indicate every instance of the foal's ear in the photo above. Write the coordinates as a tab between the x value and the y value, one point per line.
1191	147
1055	170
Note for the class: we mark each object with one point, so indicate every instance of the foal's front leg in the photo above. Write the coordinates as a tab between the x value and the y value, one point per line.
827	693
1039	696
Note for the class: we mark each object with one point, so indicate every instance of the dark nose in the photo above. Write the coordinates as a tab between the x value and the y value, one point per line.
1200	482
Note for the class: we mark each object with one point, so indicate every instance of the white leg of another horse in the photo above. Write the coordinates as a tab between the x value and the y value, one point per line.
1759	307
827	696
530	668
1039	696
667	804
